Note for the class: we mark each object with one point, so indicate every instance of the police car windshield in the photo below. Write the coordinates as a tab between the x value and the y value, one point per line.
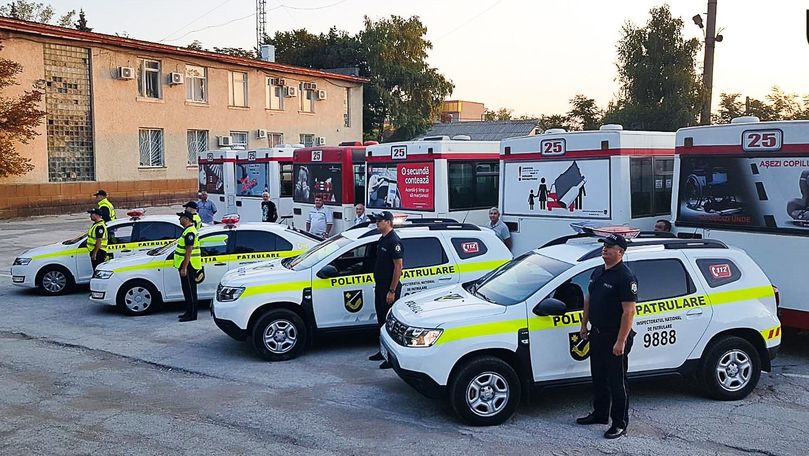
317	253
163	249
74	240
515	281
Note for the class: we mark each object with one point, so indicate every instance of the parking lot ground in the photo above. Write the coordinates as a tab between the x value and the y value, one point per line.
80	378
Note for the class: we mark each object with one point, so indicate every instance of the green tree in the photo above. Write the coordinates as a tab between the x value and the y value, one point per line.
500	114
546	122
659	85
19	118
81	23
236	52
196	45
584	114
36	12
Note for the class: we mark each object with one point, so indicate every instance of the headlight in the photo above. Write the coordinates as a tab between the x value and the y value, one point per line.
21	261
421	337
102	274
225	294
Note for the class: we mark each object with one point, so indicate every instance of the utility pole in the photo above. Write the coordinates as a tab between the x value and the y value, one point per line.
261	22
707	74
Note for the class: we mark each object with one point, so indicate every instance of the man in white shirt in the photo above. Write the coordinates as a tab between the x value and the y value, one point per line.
361	217
319	221
499	227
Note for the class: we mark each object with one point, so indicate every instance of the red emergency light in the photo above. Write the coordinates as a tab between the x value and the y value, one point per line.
135	214
230	220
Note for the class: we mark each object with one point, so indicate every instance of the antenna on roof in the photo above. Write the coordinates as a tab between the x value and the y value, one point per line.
261	22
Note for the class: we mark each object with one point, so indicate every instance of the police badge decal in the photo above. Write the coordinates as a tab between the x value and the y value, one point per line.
352	299
579	348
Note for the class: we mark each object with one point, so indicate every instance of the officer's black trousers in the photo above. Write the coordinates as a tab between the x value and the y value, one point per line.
609	378
381	303
101	256
189	291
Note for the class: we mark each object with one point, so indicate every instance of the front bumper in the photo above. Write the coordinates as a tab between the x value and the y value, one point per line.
103	291
229	327
23	276
420	381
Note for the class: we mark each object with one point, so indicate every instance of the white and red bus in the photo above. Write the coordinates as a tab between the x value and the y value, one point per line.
235	180
610	176
435	177
747	183
336	174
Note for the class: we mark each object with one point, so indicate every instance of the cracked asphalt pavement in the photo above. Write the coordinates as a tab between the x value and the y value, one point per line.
79	378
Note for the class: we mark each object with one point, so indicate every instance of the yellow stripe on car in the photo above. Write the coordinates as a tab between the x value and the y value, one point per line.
213	259
59	254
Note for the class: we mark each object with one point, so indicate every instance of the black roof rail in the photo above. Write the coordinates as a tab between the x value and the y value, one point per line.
656	234
563	240
417	221
431	227
668	244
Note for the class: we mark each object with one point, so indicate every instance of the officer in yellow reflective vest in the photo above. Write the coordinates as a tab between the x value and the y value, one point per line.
97	238
188	262
191	207
104	205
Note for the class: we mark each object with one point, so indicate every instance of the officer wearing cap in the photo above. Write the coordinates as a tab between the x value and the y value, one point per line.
609	309
387	271
97	238
104	205
191	207
188	262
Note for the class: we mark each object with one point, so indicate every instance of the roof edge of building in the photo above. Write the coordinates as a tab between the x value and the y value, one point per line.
53	31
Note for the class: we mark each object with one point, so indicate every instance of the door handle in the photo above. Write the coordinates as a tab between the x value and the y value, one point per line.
693	313
444	279
126	251
220	264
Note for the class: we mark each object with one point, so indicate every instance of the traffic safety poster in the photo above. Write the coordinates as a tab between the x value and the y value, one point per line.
757	193
401	186
557	188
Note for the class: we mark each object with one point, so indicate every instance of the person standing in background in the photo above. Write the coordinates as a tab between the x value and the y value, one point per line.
205	208
361	216
319	222
104	205
269	213
191	207
499	228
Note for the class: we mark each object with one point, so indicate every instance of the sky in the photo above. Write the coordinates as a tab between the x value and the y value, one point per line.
531	56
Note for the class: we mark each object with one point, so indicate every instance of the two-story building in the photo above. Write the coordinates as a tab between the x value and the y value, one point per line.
129	116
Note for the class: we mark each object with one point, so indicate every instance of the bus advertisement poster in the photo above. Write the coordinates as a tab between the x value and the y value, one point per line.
251	179
323	180
211	178
409	186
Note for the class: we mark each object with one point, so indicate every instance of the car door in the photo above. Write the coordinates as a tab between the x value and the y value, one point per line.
214	248
672	313
119	239
151	234
426	265
557	352
255	246
343	287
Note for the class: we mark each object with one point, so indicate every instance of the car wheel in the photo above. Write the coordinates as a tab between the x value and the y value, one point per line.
485	391
279	335
731	368
54	280
137	298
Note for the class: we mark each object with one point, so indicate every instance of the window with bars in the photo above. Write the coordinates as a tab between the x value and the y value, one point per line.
151	147
275	139
239	138
197	142
196	83
308	140
149	78
237	85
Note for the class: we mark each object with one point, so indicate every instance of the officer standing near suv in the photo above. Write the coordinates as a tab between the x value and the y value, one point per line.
387	272
188	262
610	308
97	238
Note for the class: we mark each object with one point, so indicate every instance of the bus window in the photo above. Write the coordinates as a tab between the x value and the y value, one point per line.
473	185
286	180
650	185
359	183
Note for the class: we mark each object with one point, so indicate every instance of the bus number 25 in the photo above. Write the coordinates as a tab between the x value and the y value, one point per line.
553	147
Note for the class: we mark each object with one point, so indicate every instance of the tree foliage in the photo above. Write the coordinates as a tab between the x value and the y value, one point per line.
81	23
777	105
584	113
404	93
236	52
19	118
36	12
498	115
659	85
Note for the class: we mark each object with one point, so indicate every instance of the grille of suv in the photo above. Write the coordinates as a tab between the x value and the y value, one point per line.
396	329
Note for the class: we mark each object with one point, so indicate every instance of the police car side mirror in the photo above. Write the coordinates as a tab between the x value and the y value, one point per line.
550	306
328	272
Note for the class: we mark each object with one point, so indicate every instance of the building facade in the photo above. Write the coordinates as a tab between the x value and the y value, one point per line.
129	116
462	111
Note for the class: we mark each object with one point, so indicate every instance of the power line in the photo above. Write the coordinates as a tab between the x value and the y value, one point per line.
213	26
463	24
195	20
311	8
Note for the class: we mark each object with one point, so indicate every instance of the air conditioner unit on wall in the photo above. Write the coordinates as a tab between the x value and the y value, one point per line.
309	86
261	133
225	141
320	141
276	81
176	78
126	73
292	91
321	94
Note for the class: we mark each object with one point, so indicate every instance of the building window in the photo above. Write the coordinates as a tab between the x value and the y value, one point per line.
473	185
151	147
239	138
149	78
237	89
347	109
197	142
275	139
196	83
308	97
275	95
650	186
308	140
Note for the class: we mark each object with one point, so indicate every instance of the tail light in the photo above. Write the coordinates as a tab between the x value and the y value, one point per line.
777	296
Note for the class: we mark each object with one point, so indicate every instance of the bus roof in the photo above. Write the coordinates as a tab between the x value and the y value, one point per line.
330	154
609	140
745	135
438	147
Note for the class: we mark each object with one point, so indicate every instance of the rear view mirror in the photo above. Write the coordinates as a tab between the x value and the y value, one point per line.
328	272
550	306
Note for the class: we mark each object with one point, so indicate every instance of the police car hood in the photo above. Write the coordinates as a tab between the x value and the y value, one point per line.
50	248
263	273
446	305
133	260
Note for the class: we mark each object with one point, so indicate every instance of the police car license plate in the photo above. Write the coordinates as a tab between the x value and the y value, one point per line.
383	351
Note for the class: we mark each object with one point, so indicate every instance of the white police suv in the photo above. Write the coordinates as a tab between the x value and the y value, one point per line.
56	268
279	306
139	284
703	309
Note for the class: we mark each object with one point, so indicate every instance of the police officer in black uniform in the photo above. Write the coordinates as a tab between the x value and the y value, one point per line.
387	272
610	309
